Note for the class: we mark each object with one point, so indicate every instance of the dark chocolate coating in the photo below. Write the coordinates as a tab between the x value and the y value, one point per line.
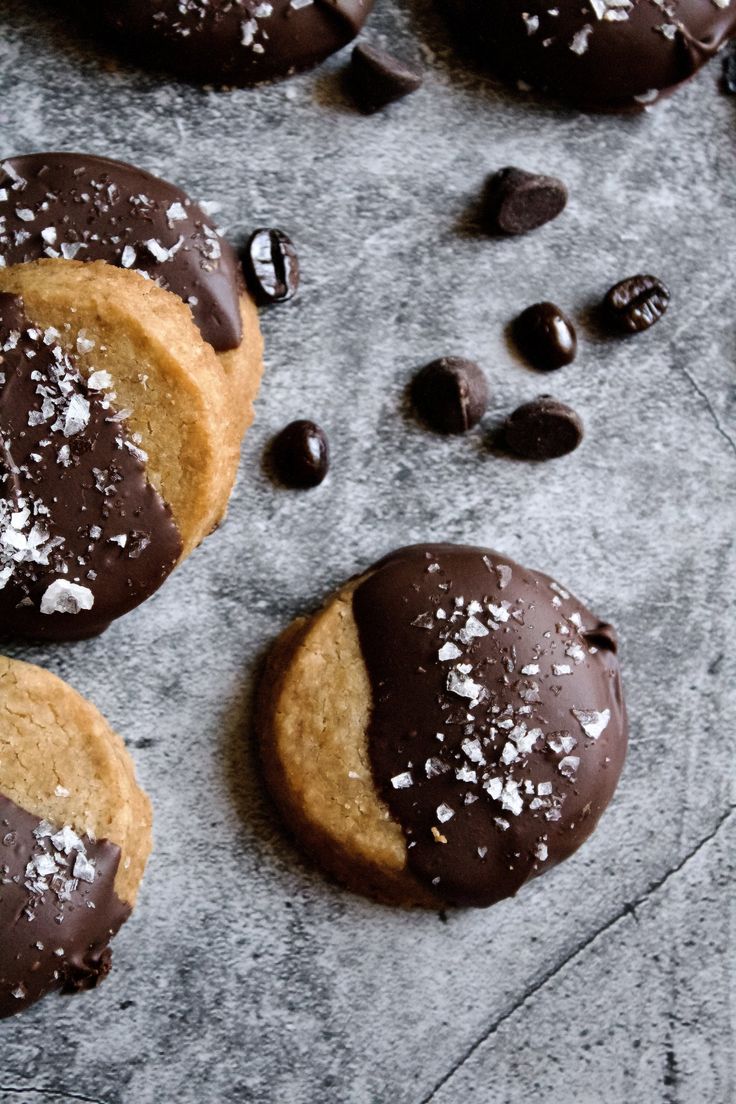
54	927
72	205
234	41
75	504
527	667
597	53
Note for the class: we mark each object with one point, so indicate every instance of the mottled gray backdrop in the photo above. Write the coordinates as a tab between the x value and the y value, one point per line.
244	976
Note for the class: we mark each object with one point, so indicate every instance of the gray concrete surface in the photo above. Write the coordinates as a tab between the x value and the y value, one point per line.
244	976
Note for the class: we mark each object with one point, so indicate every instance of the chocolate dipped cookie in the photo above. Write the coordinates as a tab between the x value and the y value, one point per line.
75	835
600	54
448	726
236	42
74	206
112	466
131	355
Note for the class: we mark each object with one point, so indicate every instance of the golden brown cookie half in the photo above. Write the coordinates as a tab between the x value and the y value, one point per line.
75	835
450	725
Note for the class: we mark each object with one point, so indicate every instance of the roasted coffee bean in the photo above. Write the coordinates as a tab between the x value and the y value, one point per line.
377	78
636	303
546	336
518	201
450	394
729	70
300	454
271	266
542	429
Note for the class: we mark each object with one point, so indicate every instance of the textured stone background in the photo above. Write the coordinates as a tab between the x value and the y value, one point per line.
244	976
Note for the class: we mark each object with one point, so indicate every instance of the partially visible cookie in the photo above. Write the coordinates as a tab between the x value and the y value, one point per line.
75	835
606	54
75	206
234	41
119	444
449	726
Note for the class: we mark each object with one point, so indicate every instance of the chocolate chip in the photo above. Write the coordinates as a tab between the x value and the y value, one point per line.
300	454
271	266
518	201
546	336
450	394
377	78
636	303
542	429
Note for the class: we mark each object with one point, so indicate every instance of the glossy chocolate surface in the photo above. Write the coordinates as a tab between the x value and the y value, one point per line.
58	908
598	53
498	730
234	41
84	537
85	208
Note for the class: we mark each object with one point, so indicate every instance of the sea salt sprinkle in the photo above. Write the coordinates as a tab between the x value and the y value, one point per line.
33	548
501	700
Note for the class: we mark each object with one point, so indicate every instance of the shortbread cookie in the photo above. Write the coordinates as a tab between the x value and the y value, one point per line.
449	726
75	835
234	41
74	206
117	457
602	54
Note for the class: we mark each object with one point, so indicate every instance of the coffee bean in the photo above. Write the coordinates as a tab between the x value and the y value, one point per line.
518	201
300	454
729	70
542	429
636	303
271	266
450	394
377	78
546	336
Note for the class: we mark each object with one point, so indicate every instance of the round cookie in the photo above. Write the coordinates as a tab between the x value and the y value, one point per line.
237	42
75	835
74	206
605	54
117	456
447	727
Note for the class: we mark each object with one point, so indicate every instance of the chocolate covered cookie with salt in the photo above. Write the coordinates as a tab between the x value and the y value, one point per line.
449	726
130	355
601	54
233	42
75	835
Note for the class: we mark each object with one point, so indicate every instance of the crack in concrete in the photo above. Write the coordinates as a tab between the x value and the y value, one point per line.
21	1090
629	909
709	407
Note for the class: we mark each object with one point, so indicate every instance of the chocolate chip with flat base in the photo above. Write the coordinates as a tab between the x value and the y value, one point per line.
636	303
377	78
542	429
450	394
518	201
271	266
546	336
300	455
